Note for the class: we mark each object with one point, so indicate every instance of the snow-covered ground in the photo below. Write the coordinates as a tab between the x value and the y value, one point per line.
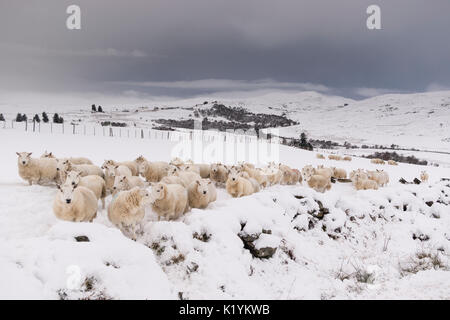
392	243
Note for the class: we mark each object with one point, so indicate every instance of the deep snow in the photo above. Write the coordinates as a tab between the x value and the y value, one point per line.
364	248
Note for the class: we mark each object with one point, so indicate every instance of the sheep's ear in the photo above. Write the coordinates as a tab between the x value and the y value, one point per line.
78	174
198	182
18	154
30	153
116	167
58	186
50	154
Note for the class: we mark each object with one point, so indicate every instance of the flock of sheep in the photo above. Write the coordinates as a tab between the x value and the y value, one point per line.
175	187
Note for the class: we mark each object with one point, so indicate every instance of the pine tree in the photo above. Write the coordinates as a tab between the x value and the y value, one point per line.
93	108
304	144
45	117
19	118
100	109
2	118
57	118
36	118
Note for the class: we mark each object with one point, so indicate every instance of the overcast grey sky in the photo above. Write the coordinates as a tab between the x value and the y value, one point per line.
175	46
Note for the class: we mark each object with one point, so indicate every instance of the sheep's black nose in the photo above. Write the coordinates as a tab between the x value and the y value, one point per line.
23	162
73	183
57	169
204	192
68	201
114	188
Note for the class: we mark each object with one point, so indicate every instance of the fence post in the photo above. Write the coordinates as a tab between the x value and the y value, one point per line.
73	128
142	133
34	125
63	127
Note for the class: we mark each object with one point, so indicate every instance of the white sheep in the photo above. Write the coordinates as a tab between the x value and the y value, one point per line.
424	176
339	173
127	210
364	184
65	166
219	173
74	160
94	183
380	176
153	171
125	183
37	171
112	170
169	201
238	186
77	204
319	183
186	176
322	171
201	193
132	165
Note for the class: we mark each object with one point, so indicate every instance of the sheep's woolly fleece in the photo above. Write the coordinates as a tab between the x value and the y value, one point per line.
285	242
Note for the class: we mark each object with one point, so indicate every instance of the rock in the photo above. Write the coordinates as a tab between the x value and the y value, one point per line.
82	239
421	237
262	246
429	203
417	181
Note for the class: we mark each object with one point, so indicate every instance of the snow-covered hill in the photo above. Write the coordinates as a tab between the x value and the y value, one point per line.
418	121
390	243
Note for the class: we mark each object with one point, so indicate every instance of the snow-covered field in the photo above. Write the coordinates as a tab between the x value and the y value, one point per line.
393	243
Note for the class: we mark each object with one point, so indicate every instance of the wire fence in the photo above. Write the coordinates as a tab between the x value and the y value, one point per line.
208	136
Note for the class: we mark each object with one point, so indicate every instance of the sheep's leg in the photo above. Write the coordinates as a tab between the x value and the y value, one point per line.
103	203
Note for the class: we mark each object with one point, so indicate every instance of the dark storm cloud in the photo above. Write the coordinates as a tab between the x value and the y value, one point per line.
168	46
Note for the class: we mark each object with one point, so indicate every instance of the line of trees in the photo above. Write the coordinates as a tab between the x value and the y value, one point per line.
97	109
36	118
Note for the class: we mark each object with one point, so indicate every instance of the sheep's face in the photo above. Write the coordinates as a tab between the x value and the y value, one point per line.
307	172
158	192
73	178
146	197
140	159
233	176
67	193
48	155
119	183
107	163
24	158
202	186
110	170
173	171
62	165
